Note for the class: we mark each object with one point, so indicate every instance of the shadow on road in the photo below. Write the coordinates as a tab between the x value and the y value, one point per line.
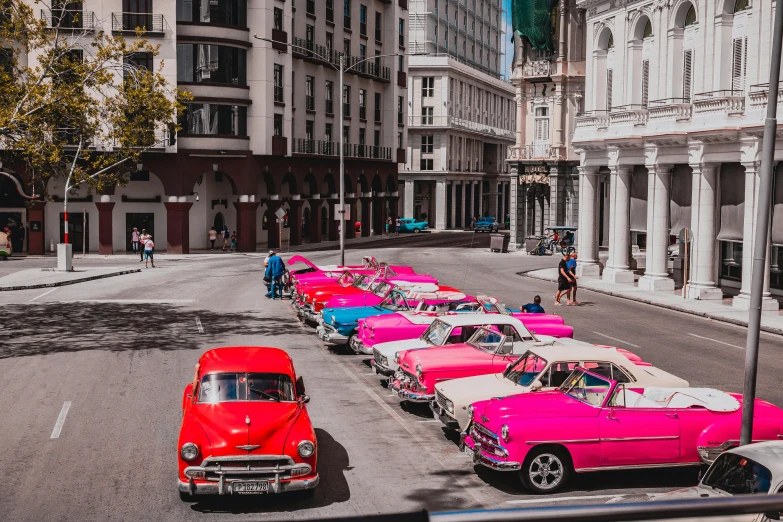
109	326
333	488
444	497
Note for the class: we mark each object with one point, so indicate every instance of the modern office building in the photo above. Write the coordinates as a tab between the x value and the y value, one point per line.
262	131
460	113
671	139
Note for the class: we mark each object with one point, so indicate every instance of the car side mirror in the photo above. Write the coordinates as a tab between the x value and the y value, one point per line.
536	385
300	387
773	515
304	399
187	394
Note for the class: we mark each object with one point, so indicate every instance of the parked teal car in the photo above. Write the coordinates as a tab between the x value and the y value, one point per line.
412	225
486	224
338	325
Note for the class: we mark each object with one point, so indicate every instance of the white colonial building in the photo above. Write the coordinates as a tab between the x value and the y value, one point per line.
676	94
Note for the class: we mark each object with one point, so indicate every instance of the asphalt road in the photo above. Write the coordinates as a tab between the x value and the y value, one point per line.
121	350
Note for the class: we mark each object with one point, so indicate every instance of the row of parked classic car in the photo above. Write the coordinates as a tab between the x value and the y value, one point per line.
524	395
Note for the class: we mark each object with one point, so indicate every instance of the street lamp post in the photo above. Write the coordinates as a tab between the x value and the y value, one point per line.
341	70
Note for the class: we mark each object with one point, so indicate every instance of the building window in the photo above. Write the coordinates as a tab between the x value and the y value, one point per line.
214	119
309	36
309	124
278	19
377	107
347	14
328	132
329	44
330	11
347	101
377	138
278	80
328	93
401	31
310	7
426	144
221	12
204	63
377	26
426	115
362	58
542	124
426	164
400	63
347	47
363	20
346	134
309	93
400	109
362	104
278	127
645	81
608	89
690	17
362	136
739	64
399	140
133	62
427	87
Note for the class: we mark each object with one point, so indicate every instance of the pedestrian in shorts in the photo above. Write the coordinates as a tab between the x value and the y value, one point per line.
234	241
564	281
143	237
149	249
397	224
135	240
572	269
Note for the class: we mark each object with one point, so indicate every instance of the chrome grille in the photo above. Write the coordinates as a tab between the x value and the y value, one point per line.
489	442
379	359
247	467
442	401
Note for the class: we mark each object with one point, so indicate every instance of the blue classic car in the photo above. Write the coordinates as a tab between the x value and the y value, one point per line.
337	325
486	224
412	225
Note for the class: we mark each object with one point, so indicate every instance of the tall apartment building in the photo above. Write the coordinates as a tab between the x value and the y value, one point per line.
262	132
671	139
549	77
461	114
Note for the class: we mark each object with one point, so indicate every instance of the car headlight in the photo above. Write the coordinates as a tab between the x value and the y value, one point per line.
334	321
470	412
306	449
449	406
397	357
189	451
418	371
384	360
504	432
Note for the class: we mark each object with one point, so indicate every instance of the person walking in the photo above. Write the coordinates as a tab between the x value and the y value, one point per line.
274	271
534	307
572	269
472	222
397	225
388	224
233	240
212	234
142	240
135	240
564	281
226	237
149	250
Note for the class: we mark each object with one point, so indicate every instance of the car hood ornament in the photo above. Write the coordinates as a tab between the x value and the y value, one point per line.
249	447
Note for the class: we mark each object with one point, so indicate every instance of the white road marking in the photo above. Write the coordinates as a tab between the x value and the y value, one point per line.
58	426
130	301
717	341
544	500
616	339
429	420
198	325
43	294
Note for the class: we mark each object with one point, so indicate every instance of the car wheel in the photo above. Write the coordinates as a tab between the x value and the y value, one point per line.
545	470
416	230
350	344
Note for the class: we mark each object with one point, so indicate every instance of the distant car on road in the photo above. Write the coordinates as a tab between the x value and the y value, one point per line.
486	224
412	225
245	428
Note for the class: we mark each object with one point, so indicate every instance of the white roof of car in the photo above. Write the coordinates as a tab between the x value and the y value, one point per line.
480	319
567	352
769	454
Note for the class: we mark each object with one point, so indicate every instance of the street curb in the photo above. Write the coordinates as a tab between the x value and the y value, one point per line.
72	282
707	315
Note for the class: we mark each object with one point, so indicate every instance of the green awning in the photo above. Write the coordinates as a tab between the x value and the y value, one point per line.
533	20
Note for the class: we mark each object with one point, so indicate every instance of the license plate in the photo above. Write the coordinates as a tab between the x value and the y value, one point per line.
251	488
469	452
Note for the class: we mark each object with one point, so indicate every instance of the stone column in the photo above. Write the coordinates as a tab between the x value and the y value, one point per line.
742	301
701	276
589	191
453	208
366	202
333	223
480	198
177	227
440	204
105	246
294	222
315	220
409	199
617	268
272	228
656	275
36	243
377	215
350	224
493	198
246	224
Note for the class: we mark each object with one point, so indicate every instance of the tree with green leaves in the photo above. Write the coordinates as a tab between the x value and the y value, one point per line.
76	104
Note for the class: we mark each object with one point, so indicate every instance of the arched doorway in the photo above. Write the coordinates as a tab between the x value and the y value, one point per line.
219	221
306	222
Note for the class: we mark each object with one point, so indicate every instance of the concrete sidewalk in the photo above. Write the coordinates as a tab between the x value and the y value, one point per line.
47	278
715	310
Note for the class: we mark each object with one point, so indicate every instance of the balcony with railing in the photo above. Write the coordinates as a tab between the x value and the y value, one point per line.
68	19
538	70
632	114
758	96
130	23
594	120
332	148
460	124
670	109
313	52
539	151
728	102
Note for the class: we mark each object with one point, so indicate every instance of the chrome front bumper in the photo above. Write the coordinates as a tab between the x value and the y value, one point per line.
330	336
359	347
225	487
408	395
381	369
442	415
474	450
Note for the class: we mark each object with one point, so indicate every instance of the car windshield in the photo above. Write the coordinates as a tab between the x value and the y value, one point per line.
346	279
490	305
363	282
381	288
737	475
586	388
224	387
526	369
437	333
487	340
395	302
386	271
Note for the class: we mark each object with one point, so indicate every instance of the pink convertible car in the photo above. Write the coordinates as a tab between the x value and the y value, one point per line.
593	424
411	324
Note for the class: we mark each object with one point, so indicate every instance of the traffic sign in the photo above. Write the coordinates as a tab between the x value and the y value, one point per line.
280	213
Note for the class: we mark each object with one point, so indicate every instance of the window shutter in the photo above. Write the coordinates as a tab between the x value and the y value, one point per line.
645	81
737	65
608	89
687	74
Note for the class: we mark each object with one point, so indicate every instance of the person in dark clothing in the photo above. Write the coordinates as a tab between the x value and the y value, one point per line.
275	270
564	280
534	307
572	269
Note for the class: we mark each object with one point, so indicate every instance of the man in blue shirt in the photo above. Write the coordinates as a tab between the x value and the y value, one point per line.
534	307
571	265
275	269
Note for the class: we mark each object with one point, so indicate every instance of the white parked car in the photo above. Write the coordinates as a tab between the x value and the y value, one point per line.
755	469
545	368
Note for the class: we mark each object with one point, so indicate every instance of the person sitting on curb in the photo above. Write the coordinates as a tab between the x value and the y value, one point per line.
534	307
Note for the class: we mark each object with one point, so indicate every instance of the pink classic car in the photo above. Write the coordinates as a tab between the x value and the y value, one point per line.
404	282
592	424
411	324
489	350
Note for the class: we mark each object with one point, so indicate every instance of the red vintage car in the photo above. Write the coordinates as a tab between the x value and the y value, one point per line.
245	428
